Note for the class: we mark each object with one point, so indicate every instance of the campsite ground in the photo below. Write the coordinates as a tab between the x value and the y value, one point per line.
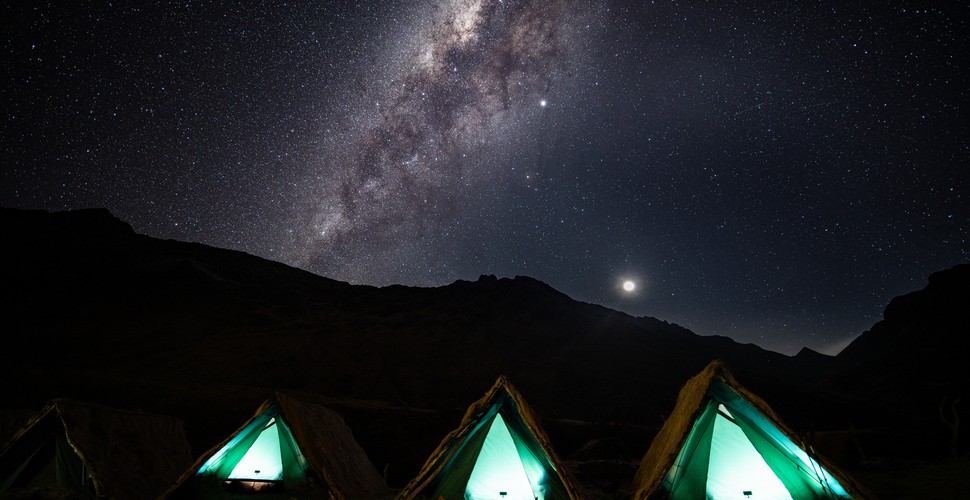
906	480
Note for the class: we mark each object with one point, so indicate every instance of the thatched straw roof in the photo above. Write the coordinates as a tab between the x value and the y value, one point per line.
691	401
128	455
324	439
502	388
329	446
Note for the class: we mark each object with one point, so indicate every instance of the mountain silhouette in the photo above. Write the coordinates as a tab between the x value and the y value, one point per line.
97	312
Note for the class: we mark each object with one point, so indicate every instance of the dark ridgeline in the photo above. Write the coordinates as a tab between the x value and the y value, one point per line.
99	313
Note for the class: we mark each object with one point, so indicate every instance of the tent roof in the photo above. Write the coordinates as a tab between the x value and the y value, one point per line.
324	439
444	452
129	454
666	445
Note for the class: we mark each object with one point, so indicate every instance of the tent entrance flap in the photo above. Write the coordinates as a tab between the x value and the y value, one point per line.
262	461
736	469
500	471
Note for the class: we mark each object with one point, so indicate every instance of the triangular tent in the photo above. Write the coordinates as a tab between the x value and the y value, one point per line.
288	449
79	450
721	441
498	452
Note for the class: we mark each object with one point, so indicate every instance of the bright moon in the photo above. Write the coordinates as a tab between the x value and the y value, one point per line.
629	286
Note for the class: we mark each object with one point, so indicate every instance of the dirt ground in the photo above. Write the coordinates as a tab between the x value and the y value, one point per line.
942	479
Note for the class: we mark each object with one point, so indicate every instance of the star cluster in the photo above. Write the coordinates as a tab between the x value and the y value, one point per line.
775	173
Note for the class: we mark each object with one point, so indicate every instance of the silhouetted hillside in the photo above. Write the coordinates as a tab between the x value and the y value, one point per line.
94	295
914	361
97	312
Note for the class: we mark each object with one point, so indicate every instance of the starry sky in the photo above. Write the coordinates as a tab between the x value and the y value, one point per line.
774	172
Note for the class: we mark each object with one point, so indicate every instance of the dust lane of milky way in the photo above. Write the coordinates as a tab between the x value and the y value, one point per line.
434	128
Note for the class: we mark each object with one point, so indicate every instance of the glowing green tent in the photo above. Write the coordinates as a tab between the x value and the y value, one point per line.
721	441
264	450
498	452
288	449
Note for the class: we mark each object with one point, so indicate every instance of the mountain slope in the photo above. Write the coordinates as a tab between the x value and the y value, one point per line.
90	292
915	361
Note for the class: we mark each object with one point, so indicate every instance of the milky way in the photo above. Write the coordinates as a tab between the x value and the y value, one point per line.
464	82
772	172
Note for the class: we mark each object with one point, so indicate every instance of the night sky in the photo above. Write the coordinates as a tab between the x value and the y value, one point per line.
774	172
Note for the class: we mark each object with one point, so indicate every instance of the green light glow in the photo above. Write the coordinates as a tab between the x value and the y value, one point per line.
501	468
733	451
736	467
262	461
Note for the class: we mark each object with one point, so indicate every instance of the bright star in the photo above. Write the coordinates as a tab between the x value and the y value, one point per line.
629	286
543	102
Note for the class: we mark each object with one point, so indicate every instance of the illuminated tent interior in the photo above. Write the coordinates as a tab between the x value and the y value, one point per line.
721	441
498	452
288	449
72	449
263	452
